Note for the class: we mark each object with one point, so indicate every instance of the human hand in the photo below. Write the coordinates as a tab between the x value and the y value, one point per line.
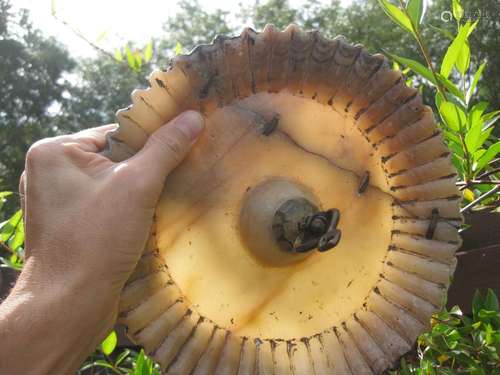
87	221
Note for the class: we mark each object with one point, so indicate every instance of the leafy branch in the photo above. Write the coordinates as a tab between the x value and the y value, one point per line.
467	128
459	344
12	237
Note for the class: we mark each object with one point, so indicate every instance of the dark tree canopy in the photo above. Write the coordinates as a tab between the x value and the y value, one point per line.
485	42
192	25
105	86
38	98
32	71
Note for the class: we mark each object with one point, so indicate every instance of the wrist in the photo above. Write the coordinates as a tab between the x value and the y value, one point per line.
78	298
64	322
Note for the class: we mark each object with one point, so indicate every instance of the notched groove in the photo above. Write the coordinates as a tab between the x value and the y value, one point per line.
404	308
150	106
183	345
361	352
132	120
420	255
162	269
411	292
399	187
400	334
434	135
367	81
340	69
186	314
391	136
203	93
394	110
361	112
403	171
423	236
441	285
160	83
448	219
410	201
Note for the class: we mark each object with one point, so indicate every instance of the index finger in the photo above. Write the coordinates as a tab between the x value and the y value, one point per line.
93	139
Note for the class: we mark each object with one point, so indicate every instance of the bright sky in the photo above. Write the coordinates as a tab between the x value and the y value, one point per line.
109	23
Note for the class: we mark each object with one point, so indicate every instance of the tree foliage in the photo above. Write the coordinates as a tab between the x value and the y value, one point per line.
32	69
39	98
45	92
484	41
103	87
191	26
459	344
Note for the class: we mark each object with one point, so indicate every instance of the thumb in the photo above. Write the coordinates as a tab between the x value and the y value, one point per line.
169	145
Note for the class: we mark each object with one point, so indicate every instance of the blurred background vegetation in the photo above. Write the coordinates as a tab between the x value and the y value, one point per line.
450	51
46	91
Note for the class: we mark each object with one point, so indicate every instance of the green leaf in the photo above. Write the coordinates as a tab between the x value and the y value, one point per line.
455	310
463	59
109	343
11	264
457	9
476	112
443	32
118	55
452	115
472	27
475	80
396	15
138	61
8	227
121	357
139	364
489	155
5	194
404	370
488	314
130	58
17	239
485	134
450	86
103	363
457	149
148	51
415	66
472	139
452	137
491	301
438	99
86	366
473	135
454	50
487	117
489	123
415	10
178	48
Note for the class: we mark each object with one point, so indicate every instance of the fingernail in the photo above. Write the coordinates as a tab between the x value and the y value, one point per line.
191	123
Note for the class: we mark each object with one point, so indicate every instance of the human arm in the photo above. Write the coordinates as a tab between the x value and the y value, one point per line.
87	220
